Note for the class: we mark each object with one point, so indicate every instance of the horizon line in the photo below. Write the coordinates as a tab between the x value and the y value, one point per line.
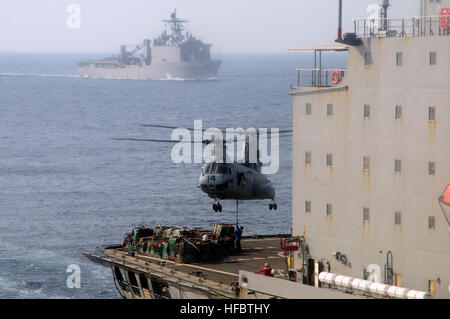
116	53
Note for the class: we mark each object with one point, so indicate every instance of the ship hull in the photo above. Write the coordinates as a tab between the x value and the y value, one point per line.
195	70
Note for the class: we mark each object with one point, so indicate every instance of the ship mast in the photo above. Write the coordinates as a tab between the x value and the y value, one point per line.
176	25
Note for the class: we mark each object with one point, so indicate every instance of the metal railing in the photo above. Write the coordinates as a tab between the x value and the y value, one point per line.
319	77
403	27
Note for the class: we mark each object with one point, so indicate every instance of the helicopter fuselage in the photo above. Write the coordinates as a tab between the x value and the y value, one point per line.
237	181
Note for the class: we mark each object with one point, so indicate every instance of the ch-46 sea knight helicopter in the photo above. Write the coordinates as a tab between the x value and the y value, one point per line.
223	178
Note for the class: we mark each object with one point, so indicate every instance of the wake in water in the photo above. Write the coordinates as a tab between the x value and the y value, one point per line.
170	78
41	75
167	78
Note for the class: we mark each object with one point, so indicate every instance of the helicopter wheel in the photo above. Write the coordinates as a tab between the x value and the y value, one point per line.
217	208
273	206
270	206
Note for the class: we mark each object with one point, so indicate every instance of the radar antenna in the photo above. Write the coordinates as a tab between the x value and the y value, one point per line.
176	26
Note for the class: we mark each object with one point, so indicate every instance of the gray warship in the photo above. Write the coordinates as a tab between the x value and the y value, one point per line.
174	55
371	192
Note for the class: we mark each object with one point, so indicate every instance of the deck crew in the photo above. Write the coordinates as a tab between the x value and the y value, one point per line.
266	270
238	237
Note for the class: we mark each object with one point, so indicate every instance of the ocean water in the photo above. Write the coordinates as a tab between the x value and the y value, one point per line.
66	185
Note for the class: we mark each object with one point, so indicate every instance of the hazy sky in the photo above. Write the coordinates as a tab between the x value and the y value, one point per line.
230	25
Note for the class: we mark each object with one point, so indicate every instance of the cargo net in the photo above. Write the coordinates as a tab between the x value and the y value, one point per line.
180	244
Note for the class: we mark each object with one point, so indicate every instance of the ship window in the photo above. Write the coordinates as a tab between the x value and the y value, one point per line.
132	278
329	159
329	109
307	206
329	208
398	112
433	58
366	111
308	158
431	113
431	168
308	109
143	281
398	218
118	273
399	58
366	163
366	215
398	166
431	222
367	58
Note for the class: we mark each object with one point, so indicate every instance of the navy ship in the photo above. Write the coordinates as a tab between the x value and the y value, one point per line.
174	55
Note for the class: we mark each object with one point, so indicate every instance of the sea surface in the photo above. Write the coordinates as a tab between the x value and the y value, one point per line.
66	185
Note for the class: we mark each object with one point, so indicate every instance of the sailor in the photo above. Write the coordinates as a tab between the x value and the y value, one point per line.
166	293
266	270
238	237
205	237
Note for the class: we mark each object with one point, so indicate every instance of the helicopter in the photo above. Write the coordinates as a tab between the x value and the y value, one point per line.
223	178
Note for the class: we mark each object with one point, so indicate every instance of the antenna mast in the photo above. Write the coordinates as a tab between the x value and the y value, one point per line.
176	25
384	14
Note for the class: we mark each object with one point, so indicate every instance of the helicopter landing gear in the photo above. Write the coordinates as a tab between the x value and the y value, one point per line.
217	207
273	206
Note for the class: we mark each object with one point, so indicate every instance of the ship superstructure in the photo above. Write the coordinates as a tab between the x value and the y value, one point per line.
174	55
372	152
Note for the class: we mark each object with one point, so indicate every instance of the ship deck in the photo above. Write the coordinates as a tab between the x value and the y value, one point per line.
255	252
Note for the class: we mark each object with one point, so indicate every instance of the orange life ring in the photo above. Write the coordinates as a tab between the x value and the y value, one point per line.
336	77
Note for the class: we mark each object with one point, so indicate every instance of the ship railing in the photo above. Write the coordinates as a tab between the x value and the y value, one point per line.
319	77
403	27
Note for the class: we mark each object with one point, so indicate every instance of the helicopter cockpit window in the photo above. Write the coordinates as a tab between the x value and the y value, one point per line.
222	169
206	169
213	168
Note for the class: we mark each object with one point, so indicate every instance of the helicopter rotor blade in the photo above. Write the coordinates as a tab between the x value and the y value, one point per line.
163	126
174	127
288	131
157	141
